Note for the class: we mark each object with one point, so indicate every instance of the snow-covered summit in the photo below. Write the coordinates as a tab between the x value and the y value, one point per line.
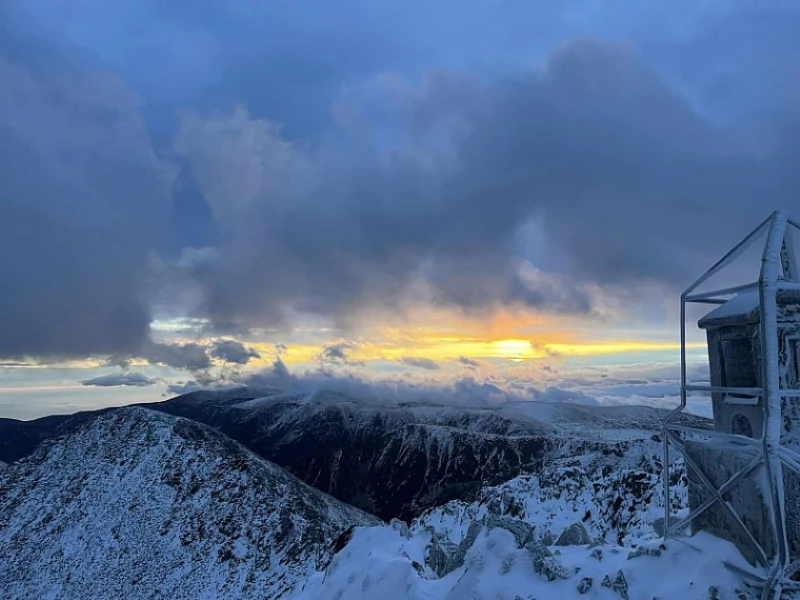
581	528
138	504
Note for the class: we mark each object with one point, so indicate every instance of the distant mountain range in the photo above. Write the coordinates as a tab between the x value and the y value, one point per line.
394	461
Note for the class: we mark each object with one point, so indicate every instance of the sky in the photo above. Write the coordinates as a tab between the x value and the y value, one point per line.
481	201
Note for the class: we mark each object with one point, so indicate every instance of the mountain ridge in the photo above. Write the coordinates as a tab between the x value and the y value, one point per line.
137	499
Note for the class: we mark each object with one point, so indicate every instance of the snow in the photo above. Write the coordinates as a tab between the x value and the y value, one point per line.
614	500
136	504
380	563
741	304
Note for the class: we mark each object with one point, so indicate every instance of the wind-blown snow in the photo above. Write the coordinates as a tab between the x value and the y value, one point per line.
137	504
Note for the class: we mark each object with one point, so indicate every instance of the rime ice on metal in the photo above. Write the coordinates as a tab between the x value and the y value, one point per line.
744	473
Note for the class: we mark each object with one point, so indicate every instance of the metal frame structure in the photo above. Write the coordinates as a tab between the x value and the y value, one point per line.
778	272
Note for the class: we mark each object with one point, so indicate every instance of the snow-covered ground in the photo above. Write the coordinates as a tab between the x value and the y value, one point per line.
579	529
382	563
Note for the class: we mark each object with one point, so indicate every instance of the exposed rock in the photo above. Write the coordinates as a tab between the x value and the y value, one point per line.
597	553
442	556
619	584
585	585
544	563
644	551
472	533
521	530
400	527
574	535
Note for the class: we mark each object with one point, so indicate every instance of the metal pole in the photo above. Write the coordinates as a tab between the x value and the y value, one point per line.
771	433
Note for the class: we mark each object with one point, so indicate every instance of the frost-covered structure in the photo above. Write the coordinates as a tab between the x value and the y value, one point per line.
744	473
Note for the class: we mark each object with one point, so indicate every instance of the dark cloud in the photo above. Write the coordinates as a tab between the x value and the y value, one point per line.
232	351
82	196
338	354
346	188
616	175
190	356
121	379
420	363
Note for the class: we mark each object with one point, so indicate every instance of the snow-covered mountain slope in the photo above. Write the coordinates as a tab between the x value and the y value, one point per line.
396	461
582	528
616	498
138	504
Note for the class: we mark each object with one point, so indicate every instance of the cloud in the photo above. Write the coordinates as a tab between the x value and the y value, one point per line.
419	363
614	175
350	189
557	394
184	387
232	351
470	363
81	189
121	379
338	354
191	356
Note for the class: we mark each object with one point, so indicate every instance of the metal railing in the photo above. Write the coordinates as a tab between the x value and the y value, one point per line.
778	273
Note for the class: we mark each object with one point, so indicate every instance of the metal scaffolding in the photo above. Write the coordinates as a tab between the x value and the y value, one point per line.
764	455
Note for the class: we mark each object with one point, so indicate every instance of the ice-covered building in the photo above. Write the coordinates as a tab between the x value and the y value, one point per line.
744	471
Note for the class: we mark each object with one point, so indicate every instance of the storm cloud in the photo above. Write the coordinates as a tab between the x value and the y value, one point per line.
231	351
81	189
363	174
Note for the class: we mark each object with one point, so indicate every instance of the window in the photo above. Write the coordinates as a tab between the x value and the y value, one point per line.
739	365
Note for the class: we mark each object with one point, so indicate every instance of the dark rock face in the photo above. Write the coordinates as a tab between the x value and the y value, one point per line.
20	438
394	462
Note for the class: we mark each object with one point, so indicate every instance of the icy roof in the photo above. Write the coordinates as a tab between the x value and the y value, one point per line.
743	308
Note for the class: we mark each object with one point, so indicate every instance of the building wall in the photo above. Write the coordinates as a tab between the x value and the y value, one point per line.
721	460
727	416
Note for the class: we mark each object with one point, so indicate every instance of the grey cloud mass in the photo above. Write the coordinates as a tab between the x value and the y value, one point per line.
420	363
81	190
121	379
338	354
190	356
366	173
231	351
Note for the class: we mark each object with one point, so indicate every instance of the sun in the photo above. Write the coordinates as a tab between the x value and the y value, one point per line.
512	349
